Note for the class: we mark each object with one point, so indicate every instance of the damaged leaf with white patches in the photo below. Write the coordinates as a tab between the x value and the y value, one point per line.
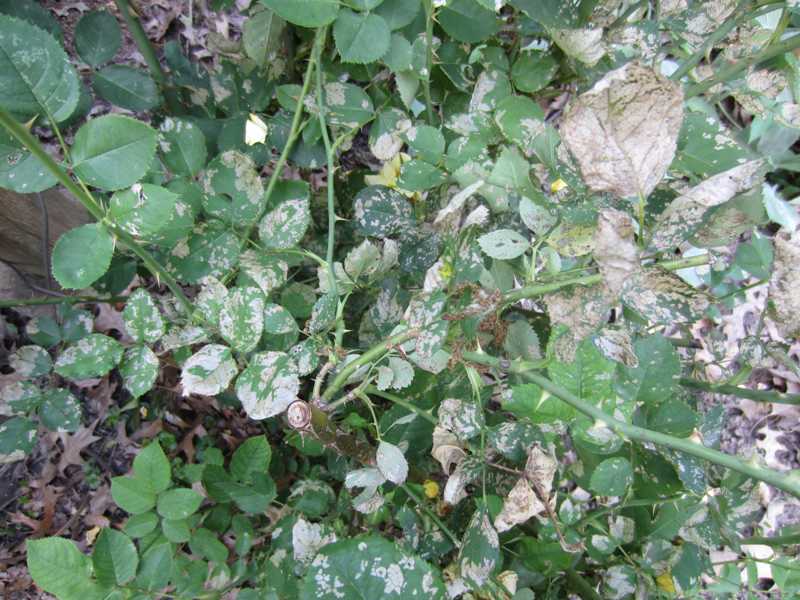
241	319
268	385
208	371
285	225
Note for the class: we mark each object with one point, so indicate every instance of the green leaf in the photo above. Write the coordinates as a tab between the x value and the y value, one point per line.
144	209
208	371
705	147
151	465
205	543
97	37
673	417
59	568
155	568
268	385
114	558
656	376
31	361
262	36
531	402
178	503
17	439
397	58
286	224
382	212
334	575
20	171
252	456
75	324
391	462
522	342
521	120
142	319
503	244
182	146
233	189
418	176
103	144
533	70
139	370
132	494
479	556
468	21
241	320
612	477
212	249
34	13
305	13
138	526
127	87
93	356
60	411
347	105
361	37
589	376
398	13
176	531
37	77
82	255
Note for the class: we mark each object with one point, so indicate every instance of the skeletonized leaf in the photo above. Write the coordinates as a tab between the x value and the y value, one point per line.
615	249
269	385
208	371
391	462
784	284
521	504
663	297
686	213
585	45
463	417
623	132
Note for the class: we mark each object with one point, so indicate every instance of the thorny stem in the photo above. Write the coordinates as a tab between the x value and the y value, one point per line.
329	153
373	353
426	88
782	481
59	300
735	390
294	131
732	70
394	399
577	582
777	540
142	41
532	291
34	146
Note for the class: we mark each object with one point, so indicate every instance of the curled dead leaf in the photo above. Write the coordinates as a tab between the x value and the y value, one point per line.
784	284
624	131
615	249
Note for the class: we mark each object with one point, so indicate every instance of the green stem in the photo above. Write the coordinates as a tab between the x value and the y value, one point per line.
142	41
433	516
393	398
294	133
581	586
426	87
532	291
777	540
373	353
332	285
32	144
10	303
732	70
735	390
781	481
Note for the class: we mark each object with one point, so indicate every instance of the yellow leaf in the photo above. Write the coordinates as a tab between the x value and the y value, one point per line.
91	535
431	488
665	583
558	185
255	130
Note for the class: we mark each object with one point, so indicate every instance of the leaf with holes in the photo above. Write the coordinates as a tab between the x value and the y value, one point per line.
503	244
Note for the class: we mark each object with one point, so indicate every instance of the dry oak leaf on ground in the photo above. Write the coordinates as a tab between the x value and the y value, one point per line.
623	132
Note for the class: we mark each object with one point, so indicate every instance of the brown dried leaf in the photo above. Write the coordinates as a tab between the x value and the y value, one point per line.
664	298
526	499
615	249
446	449
624	131
74	444
784	284
582	310
688	211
